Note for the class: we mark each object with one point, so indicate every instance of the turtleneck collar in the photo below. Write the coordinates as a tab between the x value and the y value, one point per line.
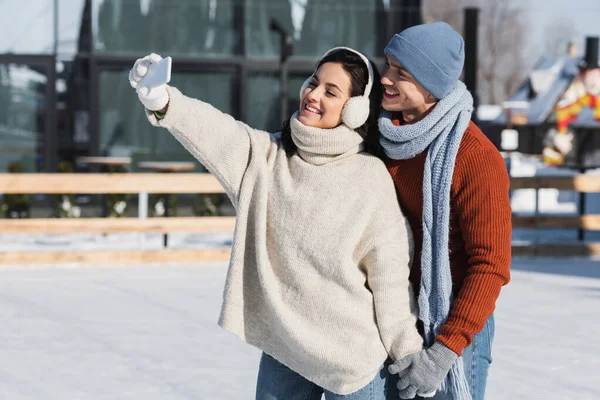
321	146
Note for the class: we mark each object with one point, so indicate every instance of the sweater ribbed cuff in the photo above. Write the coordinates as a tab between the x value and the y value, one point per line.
158	115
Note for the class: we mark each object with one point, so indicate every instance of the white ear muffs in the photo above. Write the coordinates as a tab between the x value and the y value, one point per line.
356	111
357	108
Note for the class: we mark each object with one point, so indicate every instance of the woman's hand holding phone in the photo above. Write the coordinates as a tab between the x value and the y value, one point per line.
149	77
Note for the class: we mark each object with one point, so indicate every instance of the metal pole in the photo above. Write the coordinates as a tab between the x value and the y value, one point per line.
285	51
55	28
283	92
581	209
51	132
471	35
581	195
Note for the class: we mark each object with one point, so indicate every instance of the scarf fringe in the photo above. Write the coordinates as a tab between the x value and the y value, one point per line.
456	382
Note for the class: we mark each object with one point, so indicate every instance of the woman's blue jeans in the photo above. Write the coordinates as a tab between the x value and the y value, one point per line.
278	382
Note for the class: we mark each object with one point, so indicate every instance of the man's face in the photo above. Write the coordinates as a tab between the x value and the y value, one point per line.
401	91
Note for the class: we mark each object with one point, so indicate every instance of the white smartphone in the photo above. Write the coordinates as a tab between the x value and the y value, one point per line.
158	74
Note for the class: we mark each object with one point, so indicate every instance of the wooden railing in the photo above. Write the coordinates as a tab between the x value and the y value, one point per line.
109	183
579	183
142	184
171	183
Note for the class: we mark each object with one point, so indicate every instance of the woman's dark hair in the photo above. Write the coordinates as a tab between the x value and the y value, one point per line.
359	76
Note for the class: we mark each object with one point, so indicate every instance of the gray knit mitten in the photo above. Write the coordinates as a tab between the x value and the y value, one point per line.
422	373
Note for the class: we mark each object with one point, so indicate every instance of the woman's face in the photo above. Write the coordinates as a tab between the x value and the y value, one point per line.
322	102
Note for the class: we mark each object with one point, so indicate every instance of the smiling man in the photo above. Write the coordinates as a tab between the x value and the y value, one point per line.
453	186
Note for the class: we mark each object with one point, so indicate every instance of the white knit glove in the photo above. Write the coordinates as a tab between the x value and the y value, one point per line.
153	99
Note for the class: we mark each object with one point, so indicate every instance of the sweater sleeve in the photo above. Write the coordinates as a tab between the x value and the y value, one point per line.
222	144
482	204
387	263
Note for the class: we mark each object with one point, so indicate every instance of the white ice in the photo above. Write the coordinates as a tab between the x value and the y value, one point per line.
118	332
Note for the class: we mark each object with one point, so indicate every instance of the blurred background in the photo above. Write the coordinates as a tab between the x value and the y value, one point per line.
531	65
64	63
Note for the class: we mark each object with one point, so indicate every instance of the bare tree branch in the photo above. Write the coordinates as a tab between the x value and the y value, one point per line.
502	42
558	34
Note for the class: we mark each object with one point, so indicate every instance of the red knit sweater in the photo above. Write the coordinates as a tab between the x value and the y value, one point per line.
480	231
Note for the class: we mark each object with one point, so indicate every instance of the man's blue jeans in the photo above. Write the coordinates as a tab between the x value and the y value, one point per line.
477	359
278	382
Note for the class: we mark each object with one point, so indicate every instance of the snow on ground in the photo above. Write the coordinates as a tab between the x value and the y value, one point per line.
119	333
116	241
547	344
114	332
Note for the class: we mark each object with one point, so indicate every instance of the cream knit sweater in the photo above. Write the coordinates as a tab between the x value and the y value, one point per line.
318	276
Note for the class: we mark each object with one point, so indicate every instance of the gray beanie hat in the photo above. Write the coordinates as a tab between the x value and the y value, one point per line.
434	54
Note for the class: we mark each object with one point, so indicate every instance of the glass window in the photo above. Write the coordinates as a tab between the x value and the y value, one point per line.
263	100
188	27
124	128
260	40
22	117
70	16
315	25
27	29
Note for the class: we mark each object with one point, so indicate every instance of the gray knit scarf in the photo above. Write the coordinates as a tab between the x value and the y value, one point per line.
441	130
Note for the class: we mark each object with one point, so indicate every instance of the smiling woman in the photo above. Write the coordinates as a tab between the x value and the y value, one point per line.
321	248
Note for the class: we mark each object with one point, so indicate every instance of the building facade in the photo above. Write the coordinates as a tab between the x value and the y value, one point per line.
64	66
